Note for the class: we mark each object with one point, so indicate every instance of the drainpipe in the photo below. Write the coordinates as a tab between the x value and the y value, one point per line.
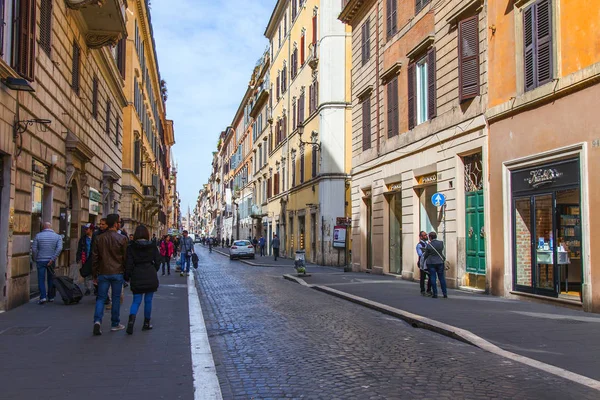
377	47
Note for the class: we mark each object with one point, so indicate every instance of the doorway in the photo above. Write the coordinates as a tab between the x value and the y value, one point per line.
395	204
313	238
474	222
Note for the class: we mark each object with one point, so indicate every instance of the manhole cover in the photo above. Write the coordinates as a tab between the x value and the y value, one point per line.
24	330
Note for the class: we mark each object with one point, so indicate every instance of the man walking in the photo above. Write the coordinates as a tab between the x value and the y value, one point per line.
187	248
261	244
46	248
435	263
84	256
421	264
275	246
108	266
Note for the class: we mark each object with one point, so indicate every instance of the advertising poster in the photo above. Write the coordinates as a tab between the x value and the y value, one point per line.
339	237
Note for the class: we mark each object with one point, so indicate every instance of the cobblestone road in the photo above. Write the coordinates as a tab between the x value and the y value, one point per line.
272	338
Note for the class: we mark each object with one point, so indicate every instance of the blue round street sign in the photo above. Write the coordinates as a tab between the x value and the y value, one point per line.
438	199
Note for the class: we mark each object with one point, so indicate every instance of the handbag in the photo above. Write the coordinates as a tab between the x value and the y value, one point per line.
446	262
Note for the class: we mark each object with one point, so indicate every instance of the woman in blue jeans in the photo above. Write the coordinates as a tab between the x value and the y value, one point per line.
142	264
435	260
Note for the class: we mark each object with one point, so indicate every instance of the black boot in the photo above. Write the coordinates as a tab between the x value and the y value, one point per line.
130	324
147	325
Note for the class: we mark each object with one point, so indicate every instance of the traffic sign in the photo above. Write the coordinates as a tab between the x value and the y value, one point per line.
344	221
438	199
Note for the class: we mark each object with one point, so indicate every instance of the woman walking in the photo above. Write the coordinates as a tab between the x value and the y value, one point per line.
166	251
142	264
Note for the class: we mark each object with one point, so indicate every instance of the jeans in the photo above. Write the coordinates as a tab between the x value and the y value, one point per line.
167	262
276	252
262	251
422	276
42	266
437	270
185	260
115	282
137	300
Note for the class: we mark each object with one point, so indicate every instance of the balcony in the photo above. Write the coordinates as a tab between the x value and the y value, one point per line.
105	21
151	197
257	212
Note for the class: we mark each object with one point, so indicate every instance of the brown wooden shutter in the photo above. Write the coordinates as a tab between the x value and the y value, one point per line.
269	188
118	132
529	46
24	28
302	167
75	67
314	161
46	26
314	32
543	31
390	108
302	44
2	23
363	45
310	99
388	15
395	113
284	128
366	123
294	115
394	16
431	90
278	89
412	106
368	37
122	56
468	62
95	97
108	112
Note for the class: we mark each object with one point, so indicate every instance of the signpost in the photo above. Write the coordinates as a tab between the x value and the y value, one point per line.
340	237
439	200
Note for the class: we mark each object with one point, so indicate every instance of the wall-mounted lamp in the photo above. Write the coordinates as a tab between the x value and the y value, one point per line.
18	84
316	145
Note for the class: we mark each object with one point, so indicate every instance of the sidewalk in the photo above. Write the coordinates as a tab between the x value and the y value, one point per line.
49	352
558	336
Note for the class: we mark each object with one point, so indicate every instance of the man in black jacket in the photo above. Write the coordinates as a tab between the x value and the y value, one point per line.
84	256
435	260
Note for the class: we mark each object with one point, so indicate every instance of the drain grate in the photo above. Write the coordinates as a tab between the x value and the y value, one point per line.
24	330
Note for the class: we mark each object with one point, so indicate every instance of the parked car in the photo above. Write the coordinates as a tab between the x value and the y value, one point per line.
241	248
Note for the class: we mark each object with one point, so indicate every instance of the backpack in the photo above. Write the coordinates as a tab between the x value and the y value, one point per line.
195	260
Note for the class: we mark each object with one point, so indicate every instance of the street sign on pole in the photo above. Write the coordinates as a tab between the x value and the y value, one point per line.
344	221
438	199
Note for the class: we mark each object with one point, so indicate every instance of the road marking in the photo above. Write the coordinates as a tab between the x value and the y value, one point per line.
558	316
206	383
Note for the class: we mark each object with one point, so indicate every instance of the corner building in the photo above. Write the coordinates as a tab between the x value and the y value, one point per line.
419	93
309	102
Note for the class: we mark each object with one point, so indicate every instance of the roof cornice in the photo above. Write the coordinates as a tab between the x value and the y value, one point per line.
275	18
352	9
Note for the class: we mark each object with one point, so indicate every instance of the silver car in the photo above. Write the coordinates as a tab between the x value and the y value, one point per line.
241	248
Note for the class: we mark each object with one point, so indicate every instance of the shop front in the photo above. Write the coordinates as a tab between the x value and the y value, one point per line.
547	230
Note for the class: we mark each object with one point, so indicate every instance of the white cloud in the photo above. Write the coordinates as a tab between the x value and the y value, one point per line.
206	51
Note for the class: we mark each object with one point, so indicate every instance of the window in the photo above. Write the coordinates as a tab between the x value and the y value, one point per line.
421	90
294	116
95	97
24	39
366	122
284	79
468	58
118	132
313	99
294	9
3	18
279	34
301	101
392	110
391	17
283	176
137	157
46	26
269	188
294	63
537	41
108	111
366	42
420	4
75	68
302	164
302	45
285	23
278	85
121	56
293	167
276	184
314	28
314	161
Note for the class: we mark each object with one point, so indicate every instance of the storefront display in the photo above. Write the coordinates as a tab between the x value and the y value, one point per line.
547	230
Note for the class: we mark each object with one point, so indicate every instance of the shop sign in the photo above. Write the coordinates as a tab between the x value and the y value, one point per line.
558	174
39	170
427	179
339	237
95	200
541	177
395	186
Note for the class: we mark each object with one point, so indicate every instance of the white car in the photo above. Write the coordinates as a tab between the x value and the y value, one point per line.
241	248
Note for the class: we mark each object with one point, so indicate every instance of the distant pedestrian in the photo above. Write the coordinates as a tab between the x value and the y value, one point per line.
142	263
261	244
227	242
100	229
84	256
176	243
222	242
435	263
187	248
166	251
275	245
423	274
47	246
130	237
255	244
108	268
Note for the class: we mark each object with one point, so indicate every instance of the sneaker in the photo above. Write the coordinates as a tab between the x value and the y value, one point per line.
445	296
181	274
117	328
42	301
97	329
51	300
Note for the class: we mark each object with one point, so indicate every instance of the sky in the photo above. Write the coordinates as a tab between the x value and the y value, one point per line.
207	51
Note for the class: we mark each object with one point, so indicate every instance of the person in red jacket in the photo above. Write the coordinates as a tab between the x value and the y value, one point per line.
166	251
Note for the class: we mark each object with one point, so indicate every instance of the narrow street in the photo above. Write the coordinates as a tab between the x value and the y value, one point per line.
272	338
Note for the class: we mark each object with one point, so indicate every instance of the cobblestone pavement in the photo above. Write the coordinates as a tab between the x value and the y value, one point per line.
276	339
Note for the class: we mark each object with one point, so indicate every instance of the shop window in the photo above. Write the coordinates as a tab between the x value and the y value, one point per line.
428	213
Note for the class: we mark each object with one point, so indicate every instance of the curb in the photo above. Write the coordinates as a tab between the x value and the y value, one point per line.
463	335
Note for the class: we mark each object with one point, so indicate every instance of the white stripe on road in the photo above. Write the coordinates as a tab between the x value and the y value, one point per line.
206	383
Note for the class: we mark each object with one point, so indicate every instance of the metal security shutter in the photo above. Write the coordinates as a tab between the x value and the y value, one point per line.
46	26
468	62
432	94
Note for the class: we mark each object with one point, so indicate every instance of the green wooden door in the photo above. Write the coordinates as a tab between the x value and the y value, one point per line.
475	233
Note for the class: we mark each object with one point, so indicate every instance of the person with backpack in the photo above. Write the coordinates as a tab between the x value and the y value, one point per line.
435	264
187	248
141	265
423	274
166	251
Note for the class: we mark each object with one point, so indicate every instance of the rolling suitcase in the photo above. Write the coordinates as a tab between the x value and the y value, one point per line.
69	291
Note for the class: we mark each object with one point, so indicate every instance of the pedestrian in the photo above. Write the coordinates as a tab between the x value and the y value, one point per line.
130	237
275	245
187	248
154	240
166	251
222	242
227	242
261	244
101	228
142	264
47	246
84	256
176	246
255	244
421	264
435	263
108	268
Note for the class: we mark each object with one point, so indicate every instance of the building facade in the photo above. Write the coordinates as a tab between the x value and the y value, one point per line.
544	66
61	134
419	93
